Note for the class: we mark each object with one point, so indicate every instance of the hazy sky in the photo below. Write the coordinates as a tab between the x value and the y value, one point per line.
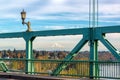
53	14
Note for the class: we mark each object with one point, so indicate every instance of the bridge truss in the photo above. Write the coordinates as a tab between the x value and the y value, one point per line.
91	35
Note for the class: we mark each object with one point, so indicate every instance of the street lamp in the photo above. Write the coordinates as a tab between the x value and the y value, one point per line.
23	16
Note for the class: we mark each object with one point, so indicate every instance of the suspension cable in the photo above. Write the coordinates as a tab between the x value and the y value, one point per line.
93	13
89	13
97	13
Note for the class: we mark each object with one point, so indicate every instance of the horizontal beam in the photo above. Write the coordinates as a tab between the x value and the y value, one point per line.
77	31
45	33
61	32
108	29
11	35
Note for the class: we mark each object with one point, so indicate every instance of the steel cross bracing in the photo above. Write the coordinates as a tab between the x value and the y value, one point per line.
93	35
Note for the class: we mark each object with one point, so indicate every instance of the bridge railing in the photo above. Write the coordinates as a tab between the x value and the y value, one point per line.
74	68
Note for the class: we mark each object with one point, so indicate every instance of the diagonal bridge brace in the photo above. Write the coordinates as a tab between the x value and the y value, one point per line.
111	48
69	57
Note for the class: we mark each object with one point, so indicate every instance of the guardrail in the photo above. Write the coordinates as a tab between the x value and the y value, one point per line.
74	69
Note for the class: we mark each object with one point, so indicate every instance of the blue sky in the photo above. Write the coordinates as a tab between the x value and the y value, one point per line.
55	14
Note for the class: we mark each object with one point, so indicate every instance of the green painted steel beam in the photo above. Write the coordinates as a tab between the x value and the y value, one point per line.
96	66
29	68
94	70
100	30
3	66
12	35
93	53
61	32
108	29
69	57
45	33
110	47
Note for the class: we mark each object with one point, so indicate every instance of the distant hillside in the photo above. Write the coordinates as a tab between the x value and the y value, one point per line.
103	55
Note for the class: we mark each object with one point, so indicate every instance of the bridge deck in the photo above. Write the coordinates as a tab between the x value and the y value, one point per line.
16	76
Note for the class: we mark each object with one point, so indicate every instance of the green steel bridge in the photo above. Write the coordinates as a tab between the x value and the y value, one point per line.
91	35
90	69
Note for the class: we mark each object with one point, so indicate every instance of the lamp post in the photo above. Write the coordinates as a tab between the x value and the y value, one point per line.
29	68
23	16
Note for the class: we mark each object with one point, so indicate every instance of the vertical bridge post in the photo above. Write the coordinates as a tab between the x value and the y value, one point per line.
29	55
93	70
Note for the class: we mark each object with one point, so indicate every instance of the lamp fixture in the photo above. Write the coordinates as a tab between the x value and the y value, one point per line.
23	16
